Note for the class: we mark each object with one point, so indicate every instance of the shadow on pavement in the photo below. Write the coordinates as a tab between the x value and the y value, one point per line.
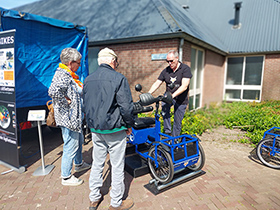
29	146
253	156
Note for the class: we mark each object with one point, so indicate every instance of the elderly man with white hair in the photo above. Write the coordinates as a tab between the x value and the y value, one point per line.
109	112
176	77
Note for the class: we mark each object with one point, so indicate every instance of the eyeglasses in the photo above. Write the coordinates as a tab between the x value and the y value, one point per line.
169	61
117	63
79	63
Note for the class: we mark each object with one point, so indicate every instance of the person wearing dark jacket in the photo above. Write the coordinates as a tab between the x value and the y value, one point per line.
109	113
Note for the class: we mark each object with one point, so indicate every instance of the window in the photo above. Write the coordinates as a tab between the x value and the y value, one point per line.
92	59
197	63
244	78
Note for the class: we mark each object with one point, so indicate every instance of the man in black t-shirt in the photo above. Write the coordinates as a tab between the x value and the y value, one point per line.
177	79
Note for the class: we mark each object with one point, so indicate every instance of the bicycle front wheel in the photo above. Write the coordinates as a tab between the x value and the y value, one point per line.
165	171
268	154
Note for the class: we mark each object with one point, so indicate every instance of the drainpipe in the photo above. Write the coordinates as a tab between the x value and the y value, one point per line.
181	49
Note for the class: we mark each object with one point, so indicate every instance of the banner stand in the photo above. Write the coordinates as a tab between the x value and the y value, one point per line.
39	115
20	170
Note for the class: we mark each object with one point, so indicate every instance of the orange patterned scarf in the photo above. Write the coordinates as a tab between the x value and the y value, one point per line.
73	74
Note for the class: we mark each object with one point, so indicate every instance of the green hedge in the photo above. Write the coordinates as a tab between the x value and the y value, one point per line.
254	118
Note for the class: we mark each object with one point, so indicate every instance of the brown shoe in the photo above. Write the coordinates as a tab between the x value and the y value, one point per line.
126	204
94	205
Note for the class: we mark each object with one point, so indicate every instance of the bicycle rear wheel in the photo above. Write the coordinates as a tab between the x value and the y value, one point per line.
267	154
201	161
165	171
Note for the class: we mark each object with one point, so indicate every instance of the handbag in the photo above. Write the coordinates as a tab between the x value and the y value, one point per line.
50	118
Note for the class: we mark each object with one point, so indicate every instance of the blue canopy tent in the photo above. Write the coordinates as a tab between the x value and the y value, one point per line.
38	44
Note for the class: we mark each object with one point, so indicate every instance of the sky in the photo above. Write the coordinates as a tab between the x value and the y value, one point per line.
9	4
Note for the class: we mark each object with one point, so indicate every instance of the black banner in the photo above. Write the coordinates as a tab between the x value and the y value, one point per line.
8	127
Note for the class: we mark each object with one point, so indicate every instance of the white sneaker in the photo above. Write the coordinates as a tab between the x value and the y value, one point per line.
82	167
72	181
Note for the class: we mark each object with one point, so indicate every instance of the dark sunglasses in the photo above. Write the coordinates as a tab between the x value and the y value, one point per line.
169	61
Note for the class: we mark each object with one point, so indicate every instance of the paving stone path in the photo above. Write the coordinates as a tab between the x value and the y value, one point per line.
233	179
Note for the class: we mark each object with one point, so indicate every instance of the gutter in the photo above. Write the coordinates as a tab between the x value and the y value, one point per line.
179	35
253	53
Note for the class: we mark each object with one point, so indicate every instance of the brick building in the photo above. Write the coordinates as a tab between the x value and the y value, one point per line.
233	48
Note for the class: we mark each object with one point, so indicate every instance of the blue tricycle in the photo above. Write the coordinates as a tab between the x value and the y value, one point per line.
268	149
166	155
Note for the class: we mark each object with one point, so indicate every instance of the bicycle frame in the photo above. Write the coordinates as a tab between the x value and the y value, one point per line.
275	133
184	149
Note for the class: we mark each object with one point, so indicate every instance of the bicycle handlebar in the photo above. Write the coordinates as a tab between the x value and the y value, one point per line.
146	99
139	108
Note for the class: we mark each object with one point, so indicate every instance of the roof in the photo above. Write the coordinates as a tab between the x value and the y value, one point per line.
260	26
205	21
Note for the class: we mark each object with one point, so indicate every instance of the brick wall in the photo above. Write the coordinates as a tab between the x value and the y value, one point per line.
186	59
213	78
136	64
271	78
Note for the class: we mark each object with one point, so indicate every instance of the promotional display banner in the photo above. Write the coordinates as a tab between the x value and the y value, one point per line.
30	48
39	42
8	128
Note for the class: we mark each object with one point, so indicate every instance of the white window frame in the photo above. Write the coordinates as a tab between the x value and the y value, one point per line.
195	91
243	87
